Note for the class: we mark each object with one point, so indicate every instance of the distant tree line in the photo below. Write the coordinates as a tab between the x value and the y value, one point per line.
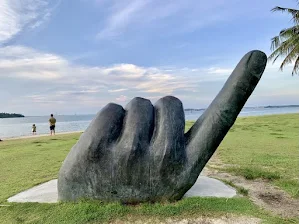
10	115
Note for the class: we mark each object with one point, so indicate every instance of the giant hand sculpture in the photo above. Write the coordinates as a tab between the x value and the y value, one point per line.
141	153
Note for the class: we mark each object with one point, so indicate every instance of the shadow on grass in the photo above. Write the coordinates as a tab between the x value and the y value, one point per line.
274	133
40	143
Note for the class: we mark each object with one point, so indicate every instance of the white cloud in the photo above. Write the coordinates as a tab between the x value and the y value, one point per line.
125	71
8	21
19	61
145	15
122	98
29	64
222	71
121	17
51	79
116	90
18	15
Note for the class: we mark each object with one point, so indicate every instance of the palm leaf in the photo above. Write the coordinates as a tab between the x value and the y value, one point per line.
293	54
288	48
293	12
282	48
289	31
296	66
283	35
286	43
275	43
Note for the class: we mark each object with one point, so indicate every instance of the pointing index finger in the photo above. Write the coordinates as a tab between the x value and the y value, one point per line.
209	130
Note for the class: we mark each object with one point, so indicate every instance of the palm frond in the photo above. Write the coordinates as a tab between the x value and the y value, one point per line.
286	43
293	12
282	9
284	35
289	31
293	54
288	48
275	42
296	66
284	47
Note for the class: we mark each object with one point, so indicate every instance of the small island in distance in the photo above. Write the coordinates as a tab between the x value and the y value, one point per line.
10	115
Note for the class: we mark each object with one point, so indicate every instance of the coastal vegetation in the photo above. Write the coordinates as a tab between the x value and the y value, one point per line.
286	43
264	147
10	115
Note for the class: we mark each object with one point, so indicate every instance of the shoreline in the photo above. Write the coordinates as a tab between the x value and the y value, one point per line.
38	136
73	132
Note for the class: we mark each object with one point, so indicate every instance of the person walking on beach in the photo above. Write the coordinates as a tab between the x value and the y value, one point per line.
33	129
52	122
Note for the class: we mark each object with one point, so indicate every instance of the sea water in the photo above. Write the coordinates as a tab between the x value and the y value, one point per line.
16	127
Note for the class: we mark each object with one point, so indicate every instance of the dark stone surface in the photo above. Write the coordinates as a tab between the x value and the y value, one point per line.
141	153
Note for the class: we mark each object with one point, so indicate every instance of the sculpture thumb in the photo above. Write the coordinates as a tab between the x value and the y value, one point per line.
210	129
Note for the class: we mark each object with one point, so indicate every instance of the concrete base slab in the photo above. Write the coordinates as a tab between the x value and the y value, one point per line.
204	187
43	193
210	187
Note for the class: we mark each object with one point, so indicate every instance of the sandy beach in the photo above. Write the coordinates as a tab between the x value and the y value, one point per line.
41	135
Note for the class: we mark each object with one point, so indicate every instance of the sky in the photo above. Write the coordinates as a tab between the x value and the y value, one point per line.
76	56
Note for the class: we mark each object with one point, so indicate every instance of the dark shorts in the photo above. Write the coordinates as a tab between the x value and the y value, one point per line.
52	127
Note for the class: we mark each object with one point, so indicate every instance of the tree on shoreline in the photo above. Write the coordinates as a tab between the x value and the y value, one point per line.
286	44
8	115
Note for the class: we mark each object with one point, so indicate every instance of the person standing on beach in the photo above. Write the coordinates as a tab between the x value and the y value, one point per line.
33	129
52	122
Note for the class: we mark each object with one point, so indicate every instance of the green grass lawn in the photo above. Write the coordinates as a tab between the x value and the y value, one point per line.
265	147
